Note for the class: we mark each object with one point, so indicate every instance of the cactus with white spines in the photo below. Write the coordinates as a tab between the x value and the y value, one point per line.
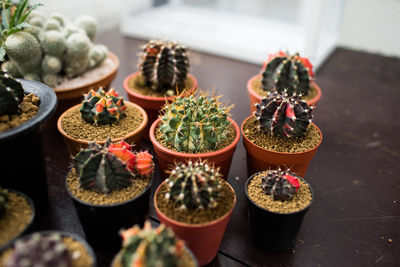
280	184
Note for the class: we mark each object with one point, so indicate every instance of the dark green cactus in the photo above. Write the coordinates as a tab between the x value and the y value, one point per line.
45	250
194	123
279	184
150	247
283	114
194	185
164	65
3	201
102	107
11	94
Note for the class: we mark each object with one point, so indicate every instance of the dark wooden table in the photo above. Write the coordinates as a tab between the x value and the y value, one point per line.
355	218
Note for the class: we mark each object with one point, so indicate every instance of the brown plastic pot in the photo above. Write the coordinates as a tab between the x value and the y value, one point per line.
167	158
202	239
259	159
256	98
74	145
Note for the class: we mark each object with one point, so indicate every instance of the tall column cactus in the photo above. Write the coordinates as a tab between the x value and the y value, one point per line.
11	94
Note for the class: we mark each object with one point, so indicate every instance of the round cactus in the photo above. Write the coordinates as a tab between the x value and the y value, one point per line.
52	24
11	94
88	24
283	114
3	201
280	184
51	65
51	80
53	43
76	58
59	17
10	68
98	53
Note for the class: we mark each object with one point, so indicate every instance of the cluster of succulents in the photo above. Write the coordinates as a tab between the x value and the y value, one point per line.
3	201
283	114
11	94
193	123
111	167
194	185
150	247
45	250
280	184
164	65
102	107
287	72
51	48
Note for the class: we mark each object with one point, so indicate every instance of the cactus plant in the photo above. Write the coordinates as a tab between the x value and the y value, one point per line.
287	72
194	185
3	201
11	94
280	184
150	248
284	114
194	123
102	107
164	65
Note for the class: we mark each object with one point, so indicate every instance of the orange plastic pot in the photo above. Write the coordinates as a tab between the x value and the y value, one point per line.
221	158
74	145
202	239
256	98
259	159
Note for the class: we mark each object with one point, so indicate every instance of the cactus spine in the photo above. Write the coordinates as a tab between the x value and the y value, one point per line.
11	94
3	201
280	184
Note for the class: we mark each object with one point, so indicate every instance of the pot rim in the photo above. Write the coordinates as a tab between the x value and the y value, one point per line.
246	139
153	98
273	212
200	225
85	141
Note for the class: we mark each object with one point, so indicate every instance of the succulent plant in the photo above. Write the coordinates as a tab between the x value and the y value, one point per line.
164	65
102	107
283	114
11	94
287	72
280	184
150	247
3	201
194	185
45	250
194	123
144	163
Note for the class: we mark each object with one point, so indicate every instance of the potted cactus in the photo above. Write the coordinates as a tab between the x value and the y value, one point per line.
48	249
283	71
17	213
110	189
280	133
101	115
197	204
152	247
163	72
277	201
195	127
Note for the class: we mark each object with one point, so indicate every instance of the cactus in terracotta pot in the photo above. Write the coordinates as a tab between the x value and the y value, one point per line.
11	94
280	184
3	201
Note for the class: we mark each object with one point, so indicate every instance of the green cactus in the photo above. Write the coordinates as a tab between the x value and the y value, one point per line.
52	24
10	68
51	80
11	94
194	185
88	24
280	184
98	53
3	201
59	17
51	65
53	43
76	58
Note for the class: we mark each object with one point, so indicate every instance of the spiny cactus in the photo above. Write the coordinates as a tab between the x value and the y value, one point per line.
283	114
102	107
280	184
164	65
150	247
290	72
194	185
144	163
40	250
11	94
193	123
3	201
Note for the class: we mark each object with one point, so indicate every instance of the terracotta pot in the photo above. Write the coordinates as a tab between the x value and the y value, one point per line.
74	145
259	159
255	98
167	158
202	239
151	104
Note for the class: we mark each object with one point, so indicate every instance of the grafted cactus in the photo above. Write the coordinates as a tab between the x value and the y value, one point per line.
11	94
283	114
280	184
3	201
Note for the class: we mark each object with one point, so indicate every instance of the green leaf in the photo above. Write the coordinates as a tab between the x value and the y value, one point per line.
5	13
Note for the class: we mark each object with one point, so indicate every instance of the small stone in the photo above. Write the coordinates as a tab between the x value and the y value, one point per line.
390	240
4	118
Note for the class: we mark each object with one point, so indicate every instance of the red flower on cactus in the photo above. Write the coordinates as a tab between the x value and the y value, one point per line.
144	163
308	65
272	56
292	180
124	152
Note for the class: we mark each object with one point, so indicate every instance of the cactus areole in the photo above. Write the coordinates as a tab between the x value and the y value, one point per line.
280	184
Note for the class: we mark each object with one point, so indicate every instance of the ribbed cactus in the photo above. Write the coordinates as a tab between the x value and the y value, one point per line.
150	247
194	185
3	201
283	114
280	184
40	250
193	123
11	94
290	72
102	107
164	65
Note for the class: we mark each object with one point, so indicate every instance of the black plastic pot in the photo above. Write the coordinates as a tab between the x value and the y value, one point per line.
22	162
101	223
271	231
64	234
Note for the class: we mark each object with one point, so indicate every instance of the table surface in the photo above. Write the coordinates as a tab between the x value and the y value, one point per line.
355	218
